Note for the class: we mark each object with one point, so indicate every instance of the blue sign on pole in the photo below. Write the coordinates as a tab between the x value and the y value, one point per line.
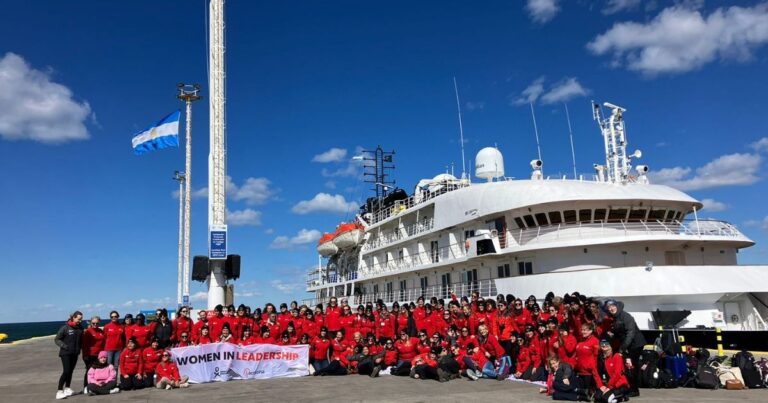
185	300
218	238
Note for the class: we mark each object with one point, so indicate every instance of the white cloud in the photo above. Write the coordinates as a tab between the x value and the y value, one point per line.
32	107
247	217
269	231
713	205
149	303
303	237
472	106
760	145
199	296
330	184
681	39
332	155
615	6
726	170
563	91
254	191
352	169
532	92
758	223
324	202
542	11
286	287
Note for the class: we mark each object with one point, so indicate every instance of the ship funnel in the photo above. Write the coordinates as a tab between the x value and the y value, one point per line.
489	164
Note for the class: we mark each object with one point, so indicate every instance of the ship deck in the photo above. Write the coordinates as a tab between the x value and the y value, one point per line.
31	368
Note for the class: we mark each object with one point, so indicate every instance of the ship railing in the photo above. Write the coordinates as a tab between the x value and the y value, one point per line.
398	234
625	228
400	206
317	278
485	289
444	254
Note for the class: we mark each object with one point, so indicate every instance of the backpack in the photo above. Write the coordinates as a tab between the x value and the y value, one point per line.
706	378
762	366
743	360
667	380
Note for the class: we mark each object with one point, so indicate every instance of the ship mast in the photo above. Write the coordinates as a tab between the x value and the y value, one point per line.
617	162
217	212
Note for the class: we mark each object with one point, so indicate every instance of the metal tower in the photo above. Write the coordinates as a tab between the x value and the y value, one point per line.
188	94
377	164
217	159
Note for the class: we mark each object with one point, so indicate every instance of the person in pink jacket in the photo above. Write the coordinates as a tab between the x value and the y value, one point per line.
102	377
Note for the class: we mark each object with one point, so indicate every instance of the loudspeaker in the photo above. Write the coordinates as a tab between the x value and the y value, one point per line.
232	267
200	268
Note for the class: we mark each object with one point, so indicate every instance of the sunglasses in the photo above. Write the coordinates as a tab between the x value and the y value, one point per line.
184	336
114	316
95	323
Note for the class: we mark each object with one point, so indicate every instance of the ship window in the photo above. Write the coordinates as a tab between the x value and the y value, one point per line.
423	282
529	221
656	215
670	215
617	214
541	218
469	234
637	215
679	216
555	217
402	290
375	288
519	222
599	214
504	270
524	268
569	216
585	215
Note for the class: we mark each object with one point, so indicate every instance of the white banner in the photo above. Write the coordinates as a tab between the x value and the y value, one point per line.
225	361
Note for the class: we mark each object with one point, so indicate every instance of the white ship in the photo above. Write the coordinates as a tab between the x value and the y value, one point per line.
614	234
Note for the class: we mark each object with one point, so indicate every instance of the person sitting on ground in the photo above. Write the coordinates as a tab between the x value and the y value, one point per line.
102	377
131	367
612	384
151	357
168	374
424	366
561	383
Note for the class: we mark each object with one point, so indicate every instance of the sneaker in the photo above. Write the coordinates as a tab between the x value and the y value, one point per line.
168	387
68	392
85	391
113	391
375	372
184	385
60	395
472	374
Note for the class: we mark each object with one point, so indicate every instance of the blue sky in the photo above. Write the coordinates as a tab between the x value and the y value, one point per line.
89	225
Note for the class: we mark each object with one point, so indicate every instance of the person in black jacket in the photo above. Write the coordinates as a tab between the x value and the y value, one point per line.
68	339
163	330
631	341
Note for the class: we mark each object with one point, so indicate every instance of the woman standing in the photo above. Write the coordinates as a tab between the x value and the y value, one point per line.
181	324
115	335
93	344
163	330
68	339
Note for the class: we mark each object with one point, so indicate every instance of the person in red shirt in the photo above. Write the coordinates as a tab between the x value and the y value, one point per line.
92	343
216	322
495	353
184	340
332	315
611	383
338	357
246	339
521	316
465	338
114	333
141	332
405	321
310	327
205	336
131	367
389	354
420	315
586	356
226	335
181	324
424	346
264	336
150	356
298	322
274	327
385	327
128	324
320	346
424	366
523	363
202	320
441	324
168	376
565	346
475	360
406	351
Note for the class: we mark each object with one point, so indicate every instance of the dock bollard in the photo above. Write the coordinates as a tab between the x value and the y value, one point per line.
720	352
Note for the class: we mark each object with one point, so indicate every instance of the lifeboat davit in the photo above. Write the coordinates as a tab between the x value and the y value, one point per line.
348	236
325	246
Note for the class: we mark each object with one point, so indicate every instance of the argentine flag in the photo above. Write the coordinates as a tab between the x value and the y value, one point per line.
162	134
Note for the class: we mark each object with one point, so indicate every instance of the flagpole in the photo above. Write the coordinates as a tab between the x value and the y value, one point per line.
188	94
179	177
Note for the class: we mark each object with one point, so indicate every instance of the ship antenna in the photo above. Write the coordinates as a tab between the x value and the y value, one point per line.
461	130
535	130
570	133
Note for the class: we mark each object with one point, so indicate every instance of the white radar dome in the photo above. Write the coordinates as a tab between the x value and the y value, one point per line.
489	164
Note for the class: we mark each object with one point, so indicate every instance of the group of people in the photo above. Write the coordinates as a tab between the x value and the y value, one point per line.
121	355
581	348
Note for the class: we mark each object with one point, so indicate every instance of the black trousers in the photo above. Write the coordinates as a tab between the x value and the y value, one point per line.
616	393
365	368
88	360
586	382
334	368
564	392
425	371
68	363
403	368
131	383
102	389
634	373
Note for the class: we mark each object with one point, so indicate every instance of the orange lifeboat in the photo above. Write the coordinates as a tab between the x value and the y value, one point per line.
348	236
325	246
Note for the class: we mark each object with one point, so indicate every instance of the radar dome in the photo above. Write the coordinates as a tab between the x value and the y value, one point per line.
489	164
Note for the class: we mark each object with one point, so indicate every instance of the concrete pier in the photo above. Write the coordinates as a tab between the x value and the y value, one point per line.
30	370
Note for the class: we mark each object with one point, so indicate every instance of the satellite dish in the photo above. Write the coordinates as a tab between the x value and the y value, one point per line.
637	154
